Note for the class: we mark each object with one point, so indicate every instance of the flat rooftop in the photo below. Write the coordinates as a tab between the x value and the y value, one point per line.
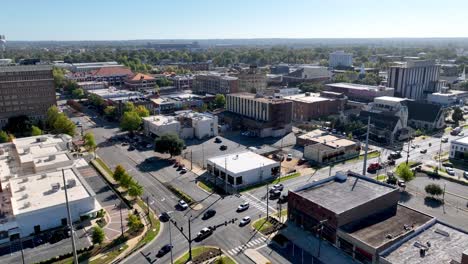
259	98
35	192
25	68
242	161
451	93
341	196
114	93
312	98
354	86
447	244
391	98
463	140
332	141
313	134
160	120
374	229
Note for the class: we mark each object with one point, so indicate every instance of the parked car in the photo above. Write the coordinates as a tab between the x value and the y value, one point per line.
401	183
204	233
223	147
450	171
245	220
183	205
131	148
208	214
444	139
243	207
423	151
447	165
283	199
289	157
395	155
465	175
164	250
301	161
183	170
373	167
218	140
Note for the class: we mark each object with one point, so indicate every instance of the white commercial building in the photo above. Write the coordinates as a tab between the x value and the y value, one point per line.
186	124
242	169
32	188
452	97
458	148
340	58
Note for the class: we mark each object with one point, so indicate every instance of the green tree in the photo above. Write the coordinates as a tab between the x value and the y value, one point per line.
135	190
220	100
169	143
404	172
129	107
126	181
3	136
78	93
59	77
52	115
131	121
311	87
340	77
63	125
110	112
457	115
119	171
134	223
35	131
142	111
98	235
89	141
434	189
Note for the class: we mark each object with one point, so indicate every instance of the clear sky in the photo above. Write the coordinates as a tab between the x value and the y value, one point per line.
205	19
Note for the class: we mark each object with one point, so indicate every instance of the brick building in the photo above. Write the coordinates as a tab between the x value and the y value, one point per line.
262	116
25	90
140	81
309	106
215	84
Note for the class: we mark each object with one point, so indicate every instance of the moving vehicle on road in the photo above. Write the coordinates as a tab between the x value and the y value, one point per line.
208	214
245	220
275	194
394	155
183	170
204	233
223	147
182	204
444	139
450	171
278	187
218	140
283	199
373	167
164	217
243	207
164	250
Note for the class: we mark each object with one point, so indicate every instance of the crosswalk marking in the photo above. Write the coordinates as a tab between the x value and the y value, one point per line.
237	250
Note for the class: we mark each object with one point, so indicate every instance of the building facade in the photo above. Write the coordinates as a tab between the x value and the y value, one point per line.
140	82
252	80
459	149
326	149
215	84
360	92
25	90
414	79
182	82
309	106
262	116
340	59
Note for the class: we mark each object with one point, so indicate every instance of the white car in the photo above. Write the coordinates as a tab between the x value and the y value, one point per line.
465	175
450	171
244	221
243	206
183	204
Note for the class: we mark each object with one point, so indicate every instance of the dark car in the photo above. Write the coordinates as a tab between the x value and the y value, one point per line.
218	140
131	148
164	217
208	214
164	250
275	194
283	199
204	233
223	147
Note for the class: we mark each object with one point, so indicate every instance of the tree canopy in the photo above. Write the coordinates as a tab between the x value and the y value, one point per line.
457	115
142	111
59	123
98	235
169	143
131	121
89	141
3	136
434	189
404	172
220	100
35	131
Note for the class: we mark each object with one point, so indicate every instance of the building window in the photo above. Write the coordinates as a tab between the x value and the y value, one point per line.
239	180
230	179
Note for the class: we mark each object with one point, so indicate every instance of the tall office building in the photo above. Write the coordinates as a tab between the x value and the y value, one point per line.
340	58
213	83
252	80
26	90
414	79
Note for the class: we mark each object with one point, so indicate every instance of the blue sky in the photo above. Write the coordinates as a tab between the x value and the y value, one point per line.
204	19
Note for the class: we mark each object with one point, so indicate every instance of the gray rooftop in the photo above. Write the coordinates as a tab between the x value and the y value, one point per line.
341	196
25	68
447	244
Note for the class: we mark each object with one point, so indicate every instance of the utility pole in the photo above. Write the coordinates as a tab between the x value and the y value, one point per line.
440	151
225	175
70	223
407	153
191	160
190	238
170	242
203	155
121	219
367	148
267	211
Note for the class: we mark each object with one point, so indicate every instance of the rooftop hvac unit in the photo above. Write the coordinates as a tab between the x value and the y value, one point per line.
25	179
43	176
27	204
71	183
22	188
55	186
25	196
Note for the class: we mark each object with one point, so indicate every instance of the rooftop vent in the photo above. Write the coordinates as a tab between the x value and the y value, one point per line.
22	188
26	205
43	176
71	183
442	232
25	196
25	179
55	186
